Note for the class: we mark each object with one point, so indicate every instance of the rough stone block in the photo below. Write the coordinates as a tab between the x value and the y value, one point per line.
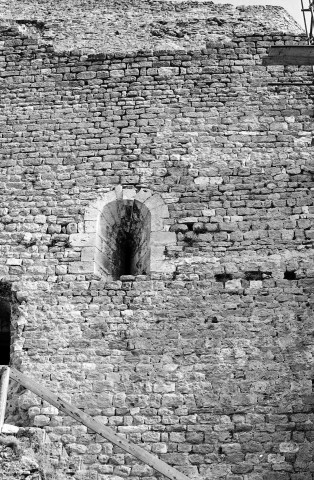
86	75
289	447
162	266
9	429
201	181
163	238
91	214
143	195
82	239
14	261
81	267
90	226
41	420
233	284
88	254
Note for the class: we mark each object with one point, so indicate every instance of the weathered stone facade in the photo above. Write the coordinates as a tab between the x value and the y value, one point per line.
206	359
120	26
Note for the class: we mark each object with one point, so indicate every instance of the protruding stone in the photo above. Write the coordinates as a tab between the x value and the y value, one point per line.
9	429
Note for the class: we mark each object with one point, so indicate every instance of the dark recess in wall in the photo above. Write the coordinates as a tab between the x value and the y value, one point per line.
290	275
5	321
223	277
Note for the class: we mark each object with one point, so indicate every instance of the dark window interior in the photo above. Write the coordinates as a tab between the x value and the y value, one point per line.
125	251
5	316
123	240
126	237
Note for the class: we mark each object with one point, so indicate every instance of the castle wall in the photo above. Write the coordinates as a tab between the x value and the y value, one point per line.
117	26
208	364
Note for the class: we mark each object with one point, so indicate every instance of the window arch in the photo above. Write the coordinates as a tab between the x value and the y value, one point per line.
125	232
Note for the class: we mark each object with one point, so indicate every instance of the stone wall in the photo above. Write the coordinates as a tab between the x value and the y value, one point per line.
28	454
209	365
127	26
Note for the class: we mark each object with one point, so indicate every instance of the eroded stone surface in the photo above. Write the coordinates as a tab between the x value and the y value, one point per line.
124	26
27	453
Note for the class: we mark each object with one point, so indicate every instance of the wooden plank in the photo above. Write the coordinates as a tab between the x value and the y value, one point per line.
290	55
97	427
4	385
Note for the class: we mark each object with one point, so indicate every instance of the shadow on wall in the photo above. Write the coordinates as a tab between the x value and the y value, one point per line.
5	336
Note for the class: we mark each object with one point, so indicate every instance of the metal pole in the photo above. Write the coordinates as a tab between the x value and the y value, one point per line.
310	32
305	22
312	23
309	28
4	385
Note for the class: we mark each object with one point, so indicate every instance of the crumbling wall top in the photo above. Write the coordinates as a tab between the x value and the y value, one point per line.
123	26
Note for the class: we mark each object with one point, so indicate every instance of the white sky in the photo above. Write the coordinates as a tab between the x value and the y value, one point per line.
292	6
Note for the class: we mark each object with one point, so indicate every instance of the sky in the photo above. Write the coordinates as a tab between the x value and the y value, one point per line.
292	6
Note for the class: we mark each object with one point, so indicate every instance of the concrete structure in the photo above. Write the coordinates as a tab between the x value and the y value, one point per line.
156	237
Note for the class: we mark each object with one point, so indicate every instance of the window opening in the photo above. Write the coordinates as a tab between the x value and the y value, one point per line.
125	244
126	232
123	239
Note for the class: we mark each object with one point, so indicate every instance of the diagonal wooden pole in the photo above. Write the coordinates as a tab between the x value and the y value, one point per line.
97	427
4	385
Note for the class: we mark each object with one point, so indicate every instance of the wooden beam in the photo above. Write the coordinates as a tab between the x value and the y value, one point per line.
97	427
4	385
290	55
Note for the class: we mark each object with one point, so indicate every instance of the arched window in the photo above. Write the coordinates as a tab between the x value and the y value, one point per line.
126	232
5	338
123	239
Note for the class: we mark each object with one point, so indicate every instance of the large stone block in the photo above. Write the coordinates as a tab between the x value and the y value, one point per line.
82	239
162	238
